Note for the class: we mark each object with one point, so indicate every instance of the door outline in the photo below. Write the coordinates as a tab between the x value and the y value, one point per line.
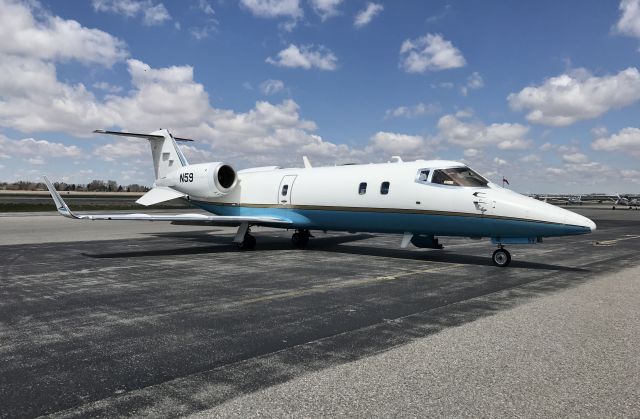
287	181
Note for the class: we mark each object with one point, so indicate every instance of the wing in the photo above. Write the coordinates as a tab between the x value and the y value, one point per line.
192	219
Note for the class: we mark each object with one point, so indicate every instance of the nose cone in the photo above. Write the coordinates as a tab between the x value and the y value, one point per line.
578	220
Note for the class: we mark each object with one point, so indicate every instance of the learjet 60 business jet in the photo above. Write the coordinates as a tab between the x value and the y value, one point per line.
420	199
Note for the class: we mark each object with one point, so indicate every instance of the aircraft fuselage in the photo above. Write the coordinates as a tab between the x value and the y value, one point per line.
391	198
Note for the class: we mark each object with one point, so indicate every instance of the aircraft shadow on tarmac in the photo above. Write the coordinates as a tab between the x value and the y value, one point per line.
327	244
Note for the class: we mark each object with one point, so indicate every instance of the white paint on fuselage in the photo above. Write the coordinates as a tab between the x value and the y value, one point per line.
337	186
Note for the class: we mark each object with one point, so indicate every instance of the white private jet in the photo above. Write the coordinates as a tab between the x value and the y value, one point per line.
419	199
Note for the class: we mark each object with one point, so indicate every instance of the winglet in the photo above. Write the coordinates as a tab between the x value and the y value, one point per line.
62	207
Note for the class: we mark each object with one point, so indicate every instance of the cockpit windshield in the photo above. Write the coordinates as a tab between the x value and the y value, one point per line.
458	176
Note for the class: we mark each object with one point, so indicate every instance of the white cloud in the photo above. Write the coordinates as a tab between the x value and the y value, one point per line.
575	158
443	85
531	158
430	52
555	170
412	111
196	154
152	13
630	174
53	38
509	130
205	7
35	160
499	162
201	32
394	143
629	23
599	131
568	98
471	152
365	16
37	149
504	136
34	100
270	86
307	57
122	149
109	88
326	8
210	24
627	140
546	146
474	82
274	8
464	113
441	15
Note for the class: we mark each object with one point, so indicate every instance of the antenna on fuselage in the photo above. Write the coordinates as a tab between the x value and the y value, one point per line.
307	163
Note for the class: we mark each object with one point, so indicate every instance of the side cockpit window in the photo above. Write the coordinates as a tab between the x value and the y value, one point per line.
422	176
458	176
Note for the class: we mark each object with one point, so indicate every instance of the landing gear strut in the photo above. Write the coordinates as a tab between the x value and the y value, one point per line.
243	239
501	257
301	238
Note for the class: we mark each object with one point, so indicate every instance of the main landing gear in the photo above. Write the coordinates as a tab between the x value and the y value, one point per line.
301	238
501	257
243	239
248	242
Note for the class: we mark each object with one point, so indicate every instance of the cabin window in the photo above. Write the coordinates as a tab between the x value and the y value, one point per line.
362	189
458	176
285	189
384	188
423	175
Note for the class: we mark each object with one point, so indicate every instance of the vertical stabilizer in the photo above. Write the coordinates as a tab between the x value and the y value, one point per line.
166	154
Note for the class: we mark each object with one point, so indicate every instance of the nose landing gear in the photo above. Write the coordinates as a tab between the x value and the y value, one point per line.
501	257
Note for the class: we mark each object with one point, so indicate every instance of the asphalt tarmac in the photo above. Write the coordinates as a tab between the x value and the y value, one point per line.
108	319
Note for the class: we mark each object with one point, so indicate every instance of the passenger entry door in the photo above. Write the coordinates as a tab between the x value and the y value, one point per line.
285	189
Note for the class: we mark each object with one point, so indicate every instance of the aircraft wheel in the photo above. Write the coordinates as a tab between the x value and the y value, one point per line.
249	242
300	238
501	258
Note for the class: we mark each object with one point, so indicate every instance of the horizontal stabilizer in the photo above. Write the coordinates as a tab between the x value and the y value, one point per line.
138	135
157	195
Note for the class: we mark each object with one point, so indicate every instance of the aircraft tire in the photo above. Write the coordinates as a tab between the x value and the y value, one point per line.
249	243
300	239
501	258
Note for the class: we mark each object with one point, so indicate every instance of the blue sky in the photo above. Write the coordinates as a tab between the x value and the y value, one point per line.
544	93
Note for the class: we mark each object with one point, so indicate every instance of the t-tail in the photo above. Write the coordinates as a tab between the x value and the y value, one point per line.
167	156
174	176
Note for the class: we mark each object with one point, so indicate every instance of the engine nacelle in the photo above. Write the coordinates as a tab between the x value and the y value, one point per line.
205	180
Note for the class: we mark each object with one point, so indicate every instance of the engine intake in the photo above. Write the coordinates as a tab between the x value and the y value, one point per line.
225	177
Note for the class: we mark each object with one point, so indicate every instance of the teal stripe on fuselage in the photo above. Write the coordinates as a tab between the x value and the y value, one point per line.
390	222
